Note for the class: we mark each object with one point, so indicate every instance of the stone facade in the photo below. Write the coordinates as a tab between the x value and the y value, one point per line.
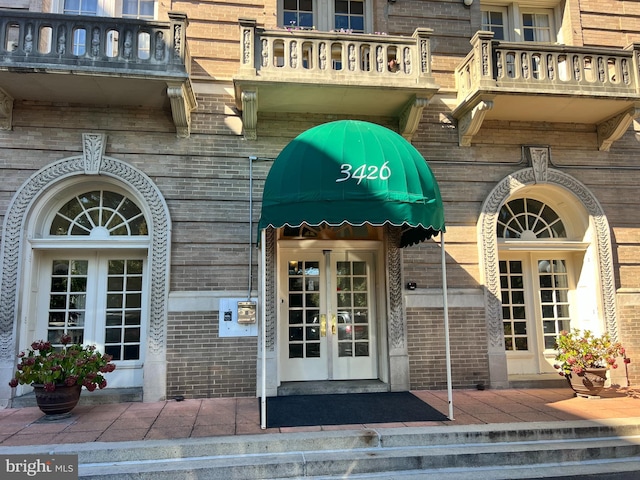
204	183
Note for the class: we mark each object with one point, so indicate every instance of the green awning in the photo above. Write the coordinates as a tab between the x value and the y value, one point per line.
353	172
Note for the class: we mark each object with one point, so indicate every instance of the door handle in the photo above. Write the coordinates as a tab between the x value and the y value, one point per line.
323	325
333	324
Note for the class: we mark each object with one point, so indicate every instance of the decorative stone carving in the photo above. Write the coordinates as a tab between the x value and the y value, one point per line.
396	321
127	49
293	58
538	158
407	60
410	117
250	114
28	39
614	128
270	280
6	110
470	122
160	47
93	147
183	102
95	42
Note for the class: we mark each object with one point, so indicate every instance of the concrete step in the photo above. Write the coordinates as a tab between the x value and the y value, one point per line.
97	397
330	454
332	387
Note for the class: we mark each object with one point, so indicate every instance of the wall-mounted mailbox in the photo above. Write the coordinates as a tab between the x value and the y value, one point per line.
246	313
238	317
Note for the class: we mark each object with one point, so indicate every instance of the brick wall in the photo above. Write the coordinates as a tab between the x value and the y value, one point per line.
468	340
203	365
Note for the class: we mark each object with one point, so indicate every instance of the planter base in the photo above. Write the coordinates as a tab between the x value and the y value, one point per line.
62	400
589	383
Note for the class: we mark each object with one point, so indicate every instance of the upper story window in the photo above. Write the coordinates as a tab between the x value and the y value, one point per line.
143	9
516	22
325	15
298	13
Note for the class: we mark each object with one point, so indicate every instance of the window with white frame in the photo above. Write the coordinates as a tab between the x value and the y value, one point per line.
97	295
520	21
536	282
142	9
326	15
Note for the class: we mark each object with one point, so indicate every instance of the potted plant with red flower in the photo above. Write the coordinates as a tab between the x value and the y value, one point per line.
584	358
58	374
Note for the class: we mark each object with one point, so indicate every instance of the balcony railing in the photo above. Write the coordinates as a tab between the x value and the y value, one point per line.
339	73
537	82
540	68
339	56
122	61
89	43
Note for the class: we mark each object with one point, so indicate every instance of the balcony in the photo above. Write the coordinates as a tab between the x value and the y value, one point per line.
95	61
306	71
533	82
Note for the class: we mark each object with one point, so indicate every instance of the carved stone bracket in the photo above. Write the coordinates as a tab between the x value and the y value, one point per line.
470	122
410	117
93	147
183	102
6	110
612	129
250	114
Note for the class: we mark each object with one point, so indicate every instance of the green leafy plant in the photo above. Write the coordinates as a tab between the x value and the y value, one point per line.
71	364
579	350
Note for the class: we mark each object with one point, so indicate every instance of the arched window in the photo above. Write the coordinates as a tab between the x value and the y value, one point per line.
99	213
529	219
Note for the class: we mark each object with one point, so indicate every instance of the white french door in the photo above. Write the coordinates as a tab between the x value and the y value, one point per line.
538	292
97	298
328	316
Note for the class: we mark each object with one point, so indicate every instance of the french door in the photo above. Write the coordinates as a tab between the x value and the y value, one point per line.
538	295
96	298
328	316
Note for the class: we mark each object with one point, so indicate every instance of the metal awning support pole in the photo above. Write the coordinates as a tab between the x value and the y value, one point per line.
263	322
447	346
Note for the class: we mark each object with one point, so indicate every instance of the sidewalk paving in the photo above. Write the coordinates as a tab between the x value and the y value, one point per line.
213	417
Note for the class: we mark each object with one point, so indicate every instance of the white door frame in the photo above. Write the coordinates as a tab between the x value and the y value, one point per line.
286	248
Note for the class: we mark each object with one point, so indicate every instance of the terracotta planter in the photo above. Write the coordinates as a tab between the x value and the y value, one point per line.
591	382
62	400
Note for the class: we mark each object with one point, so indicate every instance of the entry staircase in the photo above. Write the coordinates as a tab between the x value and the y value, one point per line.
494	451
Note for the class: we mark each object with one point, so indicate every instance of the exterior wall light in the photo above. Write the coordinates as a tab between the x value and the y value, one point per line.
467	3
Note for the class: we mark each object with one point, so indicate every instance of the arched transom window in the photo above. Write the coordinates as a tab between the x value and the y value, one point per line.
529	219
99	213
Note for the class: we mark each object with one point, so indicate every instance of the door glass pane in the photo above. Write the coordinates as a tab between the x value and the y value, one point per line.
124	307
67	300
353	309
554	299
514	313
304	309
